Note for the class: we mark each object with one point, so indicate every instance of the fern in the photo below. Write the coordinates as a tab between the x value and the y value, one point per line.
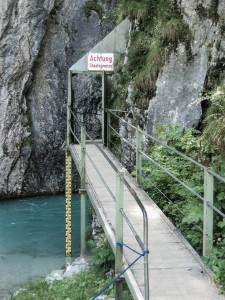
215	117
192	143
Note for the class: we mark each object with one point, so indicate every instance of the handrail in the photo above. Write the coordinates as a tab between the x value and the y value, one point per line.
216	175
122	137
159	142
171	175
152	160
208	177
110	192
215	209
74	135
143	245
111	111
129	188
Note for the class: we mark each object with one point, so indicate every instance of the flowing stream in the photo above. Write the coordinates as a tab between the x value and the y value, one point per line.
32	238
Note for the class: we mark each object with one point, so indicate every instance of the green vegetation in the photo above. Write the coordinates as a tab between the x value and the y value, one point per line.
215	75
216	260
222	26
93	5
79	287
119	89
27	141
209	12
215	117
102	254
213	98
192	143
108	16
160	27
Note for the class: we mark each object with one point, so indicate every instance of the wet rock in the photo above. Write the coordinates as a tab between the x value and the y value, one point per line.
81	264
97	230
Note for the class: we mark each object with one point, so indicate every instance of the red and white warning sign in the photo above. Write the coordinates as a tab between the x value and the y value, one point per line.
100	61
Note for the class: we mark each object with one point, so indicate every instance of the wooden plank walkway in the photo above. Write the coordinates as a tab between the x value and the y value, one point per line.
175	269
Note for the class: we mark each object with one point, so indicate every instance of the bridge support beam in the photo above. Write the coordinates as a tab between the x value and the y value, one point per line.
119	235
68	251
208	213
83	188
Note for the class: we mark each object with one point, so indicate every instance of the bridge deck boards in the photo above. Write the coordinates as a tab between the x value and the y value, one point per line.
174	270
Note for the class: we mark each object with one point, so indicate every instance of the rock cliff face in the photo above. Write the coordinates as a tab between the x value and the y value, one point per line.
39	41
182	81
184	75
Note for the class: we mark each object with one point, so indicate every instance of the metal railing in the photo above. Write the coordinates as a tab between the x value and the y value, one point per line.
118	199
209	174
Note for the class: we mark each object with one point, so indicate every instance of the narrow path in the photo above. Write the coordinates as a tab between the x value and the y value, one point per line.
175	270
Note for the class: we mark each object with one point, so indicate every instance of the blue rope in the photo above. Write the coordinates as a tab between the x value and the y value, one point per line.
122	244
140	255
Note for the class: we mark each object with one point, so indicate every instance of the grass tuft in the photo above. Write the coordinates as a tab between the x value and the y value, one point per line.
90	6
159	30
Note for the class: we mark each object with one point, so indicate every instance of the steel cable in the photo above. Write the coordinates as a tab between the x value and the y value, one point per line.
171	202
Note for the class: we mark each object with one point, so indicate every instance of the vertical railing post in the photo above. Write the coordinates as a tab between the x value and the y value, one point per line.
83	187
208	213
146	271
138	155
119	234
104	124
108	129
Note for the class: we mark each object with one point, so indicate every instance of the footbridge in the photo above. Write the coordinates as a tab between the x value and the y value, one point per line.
134	225
155	259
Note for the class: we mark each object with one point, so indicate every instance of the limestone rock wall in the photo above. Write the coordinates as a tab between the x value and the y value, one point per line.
39	41
181	81
184	75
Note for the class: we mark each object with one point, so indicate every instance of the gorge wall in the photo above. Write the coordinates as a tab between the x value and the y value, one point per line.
181	81
40	40
171	62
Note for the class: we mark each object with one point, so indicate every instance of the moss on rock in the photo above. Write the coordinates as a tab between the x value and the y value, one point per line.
93	6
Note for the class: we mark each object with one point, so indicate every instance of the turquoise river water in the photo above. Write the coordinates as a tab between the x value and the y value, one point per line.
32	238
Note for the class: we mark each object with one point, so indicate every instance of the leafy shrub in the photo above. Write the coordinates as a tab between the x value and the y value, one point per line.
186	141
176	198
215	117
103	255
216	261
